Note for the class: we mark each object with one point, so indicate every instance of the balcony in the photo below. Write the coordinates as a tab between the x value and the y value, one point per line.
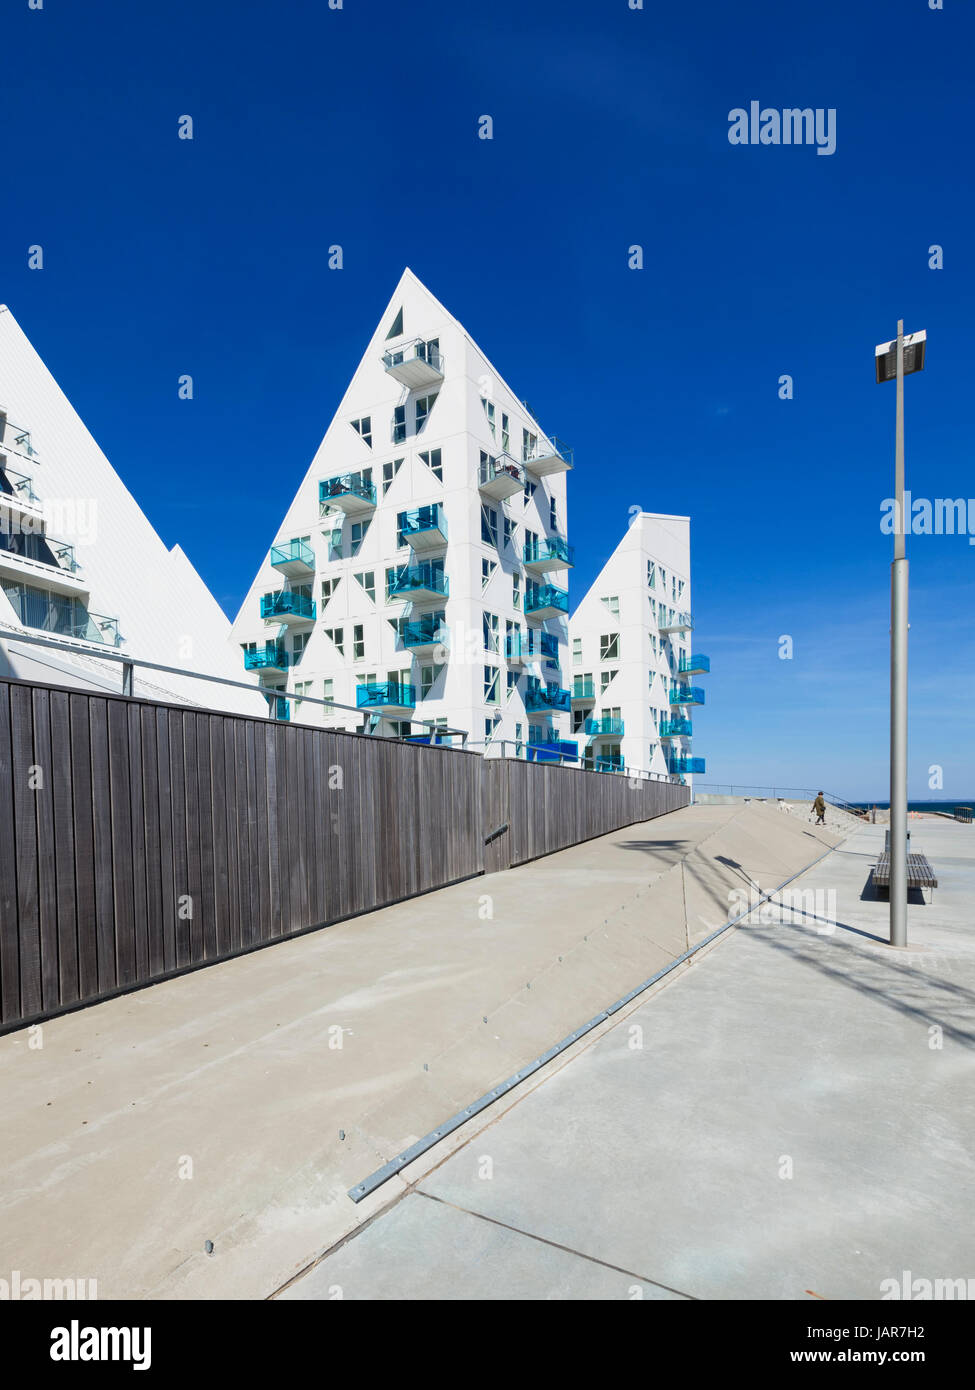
500	477
389	698
548	553
272	657
426	637
545	458
671	621
685	765
604	726
694	665
293	558
541	698
423	529
279	707
675	728
288	606
687	695
583	690
548	645
17	495
555	750
28	554
60	615
415	364
352	493
419	584
545	601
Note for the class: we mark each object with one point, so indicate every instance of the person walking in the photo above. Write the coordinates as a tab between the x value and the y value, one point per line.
819	806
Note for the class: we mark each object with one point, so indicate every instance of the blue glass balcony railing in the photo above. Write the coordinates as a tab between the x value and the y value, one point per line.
545	457
386	695
426	632
682	765
583	689
604	724
543	697
610	762
544	549
333	492
272	657
280	707
425	523
693	665
549	645
687	695
675	728
287	603
293	553
539	597
558	750
669	620
414	581
440	740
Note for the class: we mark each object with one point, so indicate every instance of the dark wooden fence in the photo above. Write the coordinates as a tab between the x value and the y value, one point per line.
142	839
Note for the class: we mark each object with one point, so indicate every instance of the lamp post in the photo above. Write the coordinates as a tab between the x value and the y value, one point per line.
894	361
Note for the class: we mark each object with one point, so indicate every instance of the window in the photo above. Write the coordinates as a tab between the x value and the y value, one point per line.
328	589
358	643
529	491
651	575
363	429
368	581
357	532
512	681
507	528
336	635
487	569
613	604
434	461
423	407
489	526
653	643
491	693
390	581
579	717
609	647
605	679
329	691
389	473
298	644
489	412
399	424
529	443
302	688
553	515
491	623
577	651
505	434
489	729
653	609
428	674
397	328
335	543
531	544
516	592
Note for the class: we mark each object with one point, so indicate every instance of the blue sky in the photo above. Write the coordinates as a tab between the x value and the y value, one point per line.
358	127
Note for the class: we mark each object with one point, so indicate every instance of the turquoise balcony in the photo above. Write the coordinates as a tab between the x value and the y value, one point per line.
555	750
539	698
351	493
272	657
294	558
583	690
426	636
288	606
415	364
500	477
670	621
685	765
419	584
675	728
423	529
548	553
694	665
279	707
387	697
604	725
687	695
547	457
545	601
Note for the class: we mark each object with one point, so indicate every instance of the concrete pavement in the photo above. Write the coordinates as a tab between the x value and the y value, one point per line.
793	1117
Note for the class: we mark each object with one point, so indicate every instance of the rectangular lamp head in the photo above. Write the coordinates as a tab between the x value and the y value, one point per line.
886	356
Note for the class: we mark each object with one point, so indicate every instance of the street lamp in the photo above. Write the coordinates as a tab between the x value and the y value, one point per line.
895	360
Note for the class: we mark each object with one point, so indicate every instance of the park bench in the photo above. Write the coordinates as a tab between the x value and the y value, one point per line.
919	872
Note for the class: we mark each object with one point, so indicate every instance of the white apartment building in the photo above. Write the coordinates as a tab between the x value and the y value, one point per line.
418	578
81	566
634	682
